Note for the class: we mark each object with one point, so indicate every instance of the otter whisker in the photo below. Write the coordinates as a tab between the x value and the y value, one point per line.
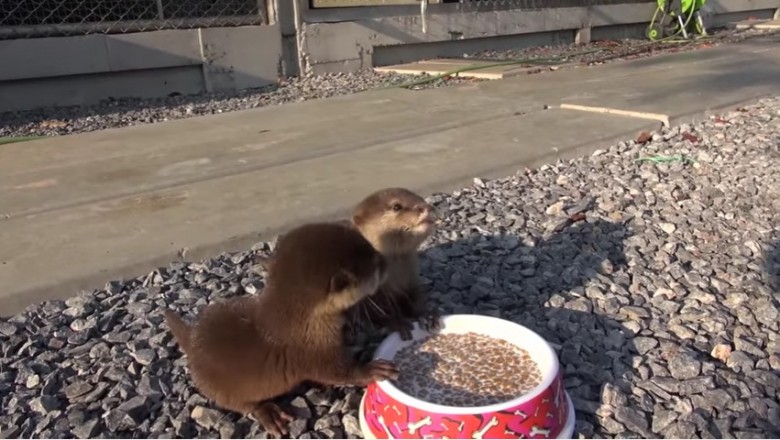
377	307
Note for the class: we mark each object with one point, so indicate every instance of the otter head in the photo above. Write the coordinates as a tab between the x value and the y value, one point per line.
395	220
329	265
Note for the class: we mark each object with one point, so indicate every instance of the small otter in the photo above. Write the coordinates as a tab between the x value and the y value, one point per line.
244	351
396	221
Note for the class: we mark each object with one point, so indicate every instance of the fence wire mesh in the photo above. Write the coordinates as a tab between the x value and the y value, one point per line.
47	18
468	5
480	5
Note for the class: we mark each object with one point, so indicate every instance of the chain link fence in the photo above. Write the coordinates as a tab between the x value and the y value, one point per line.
488	5
49	18
475	4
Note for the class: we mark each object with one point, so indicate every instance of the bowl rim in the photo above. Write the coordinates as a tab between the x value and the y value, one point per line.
547	378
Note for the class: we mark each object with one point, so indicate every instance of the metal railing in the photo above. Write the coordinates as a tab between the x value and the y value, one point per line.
49	18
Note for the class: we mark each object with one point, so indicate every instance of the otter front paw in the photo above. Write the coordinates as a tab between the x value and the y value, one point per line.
431	322
403	327
379	369
273	419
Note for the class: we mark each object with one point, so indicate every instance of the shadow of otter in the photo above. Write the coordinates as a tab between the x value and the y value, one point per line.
772	270
561	285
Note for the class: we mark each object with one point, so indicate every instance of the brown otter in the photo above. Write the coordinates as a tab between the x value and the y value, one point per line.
396	221
244	351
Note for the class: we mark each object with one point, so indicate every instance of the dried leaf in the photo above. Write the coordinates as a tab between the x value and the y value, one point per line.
578	217
691	138
643	138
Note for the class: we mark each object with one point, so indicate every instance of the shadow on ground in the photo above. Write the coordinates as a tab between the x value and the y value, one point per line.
540	282
772	269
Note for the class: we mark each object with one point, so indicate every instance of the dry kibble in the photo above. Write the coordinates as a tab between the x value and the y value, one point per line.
465	370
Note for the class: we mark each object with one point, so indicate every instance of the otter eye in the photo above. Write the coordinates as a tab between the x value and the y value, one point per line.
397	207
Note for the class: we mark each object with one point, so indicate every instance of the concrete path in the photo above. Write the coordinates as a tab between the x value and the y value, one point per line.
78	211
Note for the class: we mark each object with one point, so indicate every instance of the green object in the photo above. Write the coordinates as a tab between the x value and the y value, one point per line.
673	18
666	159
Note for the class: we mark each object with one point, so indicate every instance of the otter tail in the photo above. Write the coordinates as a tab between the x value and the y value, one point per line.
181	331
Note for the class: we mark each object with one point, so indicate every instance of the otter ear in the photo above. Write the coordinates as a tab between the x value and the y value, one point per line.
341	281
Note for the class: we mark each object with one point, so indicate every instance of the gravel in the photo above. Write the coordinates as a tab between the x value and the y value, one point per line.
660	332
615	50
114	113
125	112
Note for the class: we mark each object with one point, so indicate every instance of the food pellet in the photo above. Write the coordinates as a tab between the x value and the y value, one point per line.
465	370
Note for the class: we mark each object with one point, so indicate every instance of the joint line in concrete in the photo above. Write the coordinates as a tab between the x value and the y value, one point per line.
664	119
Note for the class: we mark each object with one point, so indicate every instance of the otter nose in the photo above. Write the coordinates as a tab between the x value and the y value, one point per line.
427	211
424	209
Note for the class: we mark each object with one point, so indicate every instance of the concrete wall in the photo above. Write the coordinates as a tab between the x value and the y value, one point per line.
86	69
357	38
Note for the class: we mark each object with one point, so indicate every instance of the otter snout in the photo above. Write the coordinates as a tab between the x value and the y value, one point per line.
427	215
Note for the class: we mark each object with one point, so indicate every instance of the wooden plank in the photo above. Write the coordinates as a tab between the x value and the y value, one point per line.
444	65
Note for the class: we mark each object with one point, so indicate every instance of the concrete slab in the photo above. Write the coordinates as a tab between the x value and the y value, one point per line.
444	65
116	236
759	24
77	211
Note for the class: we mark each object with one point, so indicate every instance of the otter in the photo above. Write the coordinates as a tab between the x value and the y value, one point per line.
245	351
396	221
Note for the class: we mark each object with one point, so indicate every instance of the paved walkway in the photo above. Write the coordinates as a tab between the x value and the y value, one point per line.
81	210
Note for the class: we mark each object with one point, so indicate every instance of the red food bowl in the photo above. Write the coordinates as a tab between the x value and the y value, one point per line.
544	412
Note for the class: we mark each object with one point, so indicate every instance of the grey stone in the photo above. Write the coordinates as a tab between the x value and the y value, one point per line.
128	415
326	422
680	430
612	426
662	419
206	417
684	366
644	344
149	386
7	328
633	420
139	309
87	429
144	356
77	389
94	395
740	361
696	385
351	425
45	404
33	381
299	408
635	313
669	228
297	427
718	398
317	397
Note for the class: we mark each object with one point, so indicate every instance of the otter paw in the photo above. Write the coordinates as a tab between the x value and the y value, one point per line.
431	322
273	419
380	369
404	329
